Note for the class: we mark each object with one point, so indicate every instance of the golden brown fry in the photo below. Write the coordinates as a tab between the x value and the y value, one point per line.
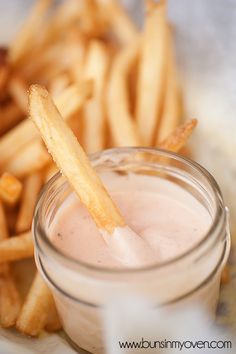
72	161
25	38
9	301
31	158
171	108
225	276
3	224
151	72
122	125
10	115
16	248
179	137
96	69
119	21
10	189
59	84
32	186
4	234
18	90
34	312
4	68
68	102
53	323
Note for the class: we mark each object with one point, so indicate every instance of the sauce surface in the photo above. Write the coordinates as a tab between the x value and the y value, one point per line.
169	220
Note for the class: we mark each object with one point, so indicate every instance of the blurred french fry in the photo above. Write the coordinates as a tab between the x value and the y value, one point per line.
96	69
31	158
4	68
122	125
34	313
59	84
18	90
31	189
9	296
68	102
16	248
10	115
23	41
3	224
4	234
225	276
171	107
53	323
119	21
179	137
10	189
10	302
151	71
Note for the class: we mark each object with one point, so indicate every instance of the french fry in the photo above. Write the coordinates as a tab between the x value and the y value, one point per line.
10	115
4	234
225	276
18	90
3	224
68	102
9	296
10	302
4	68
53	323
72	161
151	71
29	159
119	21
96	69
123	128
35	310
23	41
16	248
10	189
171	107
59	84
179	137
32	186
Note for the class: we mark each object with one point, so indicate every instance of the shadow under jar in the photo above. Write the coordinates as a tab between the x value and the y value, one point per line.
81	290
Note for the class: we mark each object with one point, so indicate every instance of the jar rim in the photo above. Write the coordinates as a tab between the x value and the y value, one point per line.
219	215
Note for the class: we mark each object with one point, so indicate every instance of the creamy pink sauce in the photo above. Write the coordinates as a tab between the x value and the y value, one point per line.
169	220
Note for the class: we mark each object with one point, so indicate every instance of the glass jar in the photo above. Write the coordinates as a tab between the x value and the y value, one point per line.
81	290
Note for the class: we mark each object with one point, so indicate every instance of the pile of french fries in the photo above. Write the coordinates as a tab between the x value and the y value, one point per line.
114	85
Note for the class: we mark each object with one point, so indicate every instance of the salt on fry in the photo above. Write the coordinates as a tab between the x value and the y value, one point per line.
10	189
34	312
18	90
96	69
68	102
171	108
16	248
21	45
123	128
31	158
119	21
72	161
31	189
177	139
151	71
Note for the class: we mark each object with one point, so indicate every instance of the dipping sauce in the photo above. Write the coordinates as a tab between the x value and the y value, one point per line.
169	220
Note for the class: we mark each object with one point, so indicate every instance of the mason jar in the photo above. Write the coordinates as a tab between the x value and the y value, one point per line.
81	290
